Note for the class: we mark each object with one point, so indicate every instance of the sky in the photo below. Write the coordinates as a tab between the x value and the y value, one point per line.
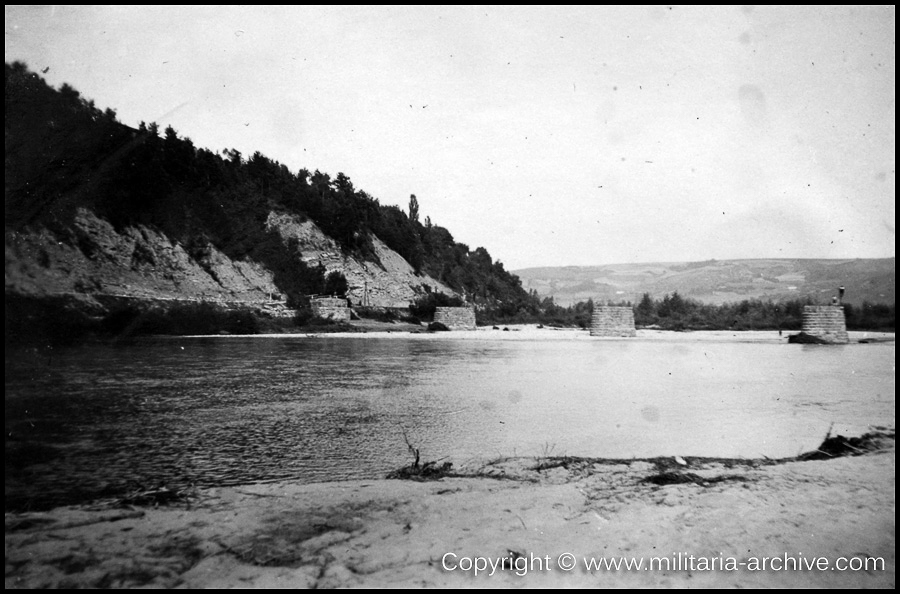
551	136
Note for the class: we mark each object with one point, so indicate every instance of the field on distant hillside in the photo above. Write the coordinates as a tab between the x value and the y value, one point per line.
717	281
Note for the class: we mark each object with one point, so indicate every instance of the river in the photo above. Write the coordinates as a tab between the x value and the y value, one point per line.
98	420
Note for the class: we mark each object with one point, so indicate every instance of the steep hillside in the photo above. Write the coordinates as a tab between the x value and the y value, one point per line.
718	281
141	262
391	282
96	209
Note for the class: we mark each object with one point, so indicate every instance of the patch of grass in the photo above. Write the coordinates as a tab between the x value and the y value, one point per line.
377	313
429	471
324	326
556	462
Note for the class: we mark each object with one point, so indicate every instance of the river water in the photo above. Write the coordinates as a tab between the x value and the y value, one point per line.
99	420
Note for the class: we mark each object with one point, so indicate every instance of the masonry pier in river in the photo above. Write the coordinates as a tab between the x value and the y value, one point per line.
610	320
826	323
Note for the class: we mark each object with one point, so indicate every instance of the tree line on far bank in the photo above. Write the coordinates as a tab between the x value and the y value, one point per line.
674	312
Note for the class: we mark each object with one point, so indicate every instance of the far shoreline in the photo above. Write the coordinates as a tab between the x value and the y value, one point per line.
532	332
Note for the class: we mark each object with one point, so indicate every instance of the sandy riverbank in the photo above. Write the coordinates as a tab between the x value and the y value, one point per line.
387	533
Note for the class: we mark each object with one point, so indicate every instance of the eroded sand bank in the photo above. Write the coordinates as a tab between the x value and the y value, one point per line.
420	534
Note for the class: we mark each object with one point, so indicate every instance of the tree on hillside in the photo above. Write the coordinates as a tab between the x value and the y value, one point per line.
413	208
645	312
336	283
343	185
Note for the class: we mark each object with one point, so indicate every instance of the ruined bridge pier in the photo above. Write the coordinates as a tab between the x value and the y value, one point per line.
825	322
612	321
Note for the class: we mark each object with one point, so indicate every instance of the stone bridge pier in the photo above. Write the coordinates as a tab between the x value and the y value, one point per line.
609	320
825	322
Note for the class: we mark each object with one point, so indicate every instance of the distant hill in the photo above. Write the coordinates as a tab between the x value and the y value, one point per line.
717	281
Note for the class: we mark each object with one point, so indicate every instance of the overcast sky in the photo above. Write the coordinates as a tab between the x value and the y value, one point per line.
549	135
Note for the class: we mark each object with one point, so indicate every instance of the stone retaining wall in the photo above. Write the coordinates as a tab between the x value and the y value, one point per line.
456	318
331	308
608	320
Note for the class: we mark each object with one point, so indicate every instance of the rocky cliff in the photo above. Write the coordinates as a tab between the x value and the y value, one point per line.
393	283
92	259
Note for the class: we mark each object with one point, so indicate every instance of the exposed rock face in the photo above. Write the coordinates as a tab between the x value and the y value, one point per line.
140	262
394	285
